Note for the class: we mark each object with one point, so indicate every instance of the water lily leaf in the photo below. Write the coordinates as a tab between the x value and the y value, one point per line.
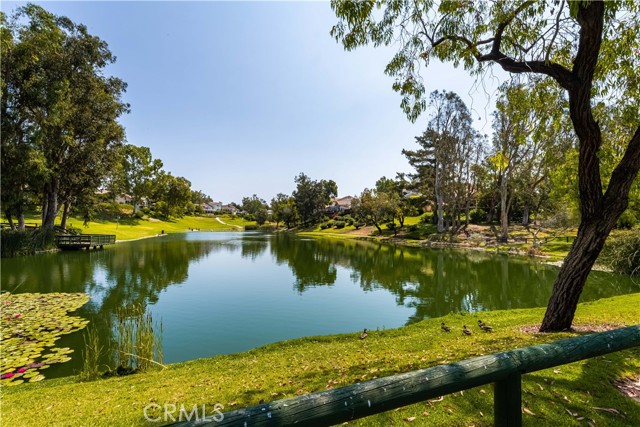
31	323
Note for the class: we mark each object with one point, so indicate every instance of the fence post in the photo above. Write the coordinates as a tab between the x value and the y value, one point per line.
507	401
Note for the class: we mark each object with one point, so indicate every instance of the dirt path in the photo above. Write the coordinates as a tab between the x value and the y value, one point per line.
229	225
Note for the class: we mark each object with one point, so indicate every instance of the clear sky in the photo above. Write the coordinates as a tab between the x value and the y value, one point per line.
239	97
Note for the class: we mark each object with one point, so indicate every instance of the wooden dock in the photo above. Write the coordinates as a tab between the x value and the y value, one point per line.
87	241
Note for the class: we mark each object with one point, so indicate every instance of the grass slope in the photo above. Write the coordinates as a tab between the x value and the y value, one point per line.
128	228
567	395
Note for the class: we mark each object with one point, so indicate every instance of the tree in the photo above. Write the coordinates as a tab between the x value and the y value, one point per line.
312	197
57	103
283	208
139	173
449	147
253	204
395	189
373	207
586	47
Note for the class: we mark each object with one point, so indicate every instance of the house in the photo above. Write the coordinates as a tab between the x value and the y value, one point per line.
340	205
229	209
120	198
211	207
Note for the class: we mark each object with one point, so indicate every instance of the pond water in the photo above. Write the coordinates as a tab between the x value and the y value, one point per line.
219	293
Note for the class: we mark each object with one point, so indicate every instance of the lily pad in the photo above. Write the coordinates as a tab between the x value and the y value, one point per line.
31	323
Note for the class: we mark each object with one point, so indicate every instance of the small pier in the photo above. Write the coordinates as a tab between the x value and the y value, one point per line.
82	241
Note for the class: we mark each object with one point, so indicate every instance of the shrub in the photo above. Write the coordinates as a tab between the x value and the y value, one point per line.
477	216
324	226
16	243
348	220
73	230
267	227
250	227
427	218
622	254
627	220
339	224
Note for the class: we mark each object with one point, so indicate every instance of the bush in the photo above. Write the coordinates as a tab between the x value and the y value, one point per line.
268	227
391	226
16	243
627	220
324	226
73	230
427	218
348	220
622	254
339	224
477	216
250	227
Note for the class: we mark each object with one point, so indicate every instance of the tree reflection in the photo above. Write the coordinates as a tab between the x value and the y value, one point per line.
433	282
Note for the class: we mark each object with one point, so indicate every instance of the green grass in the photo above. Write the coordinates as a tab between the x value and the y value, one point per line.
128	228
295	367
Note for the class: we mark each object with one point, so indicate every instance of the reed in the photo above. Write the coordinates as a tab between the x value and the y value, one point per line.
138	338
91	355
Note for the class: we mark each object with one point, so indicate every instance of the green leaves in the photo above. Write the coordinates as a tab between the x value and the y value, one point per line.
31	323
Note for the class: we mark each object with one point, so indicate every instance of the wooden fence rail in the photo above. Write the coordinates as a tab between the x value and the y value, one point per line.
371	397
84	240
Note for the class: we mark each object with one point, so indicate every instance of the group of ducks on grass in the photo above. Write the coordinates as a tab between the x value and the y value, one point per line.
446	328
466	330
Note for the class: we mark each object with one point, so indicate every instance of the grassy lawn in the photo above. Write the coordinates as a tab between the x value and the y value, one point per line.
128	228
569	395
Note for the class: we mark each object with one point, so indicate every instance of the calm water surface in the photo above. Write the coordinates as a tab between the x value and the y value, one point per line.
220	293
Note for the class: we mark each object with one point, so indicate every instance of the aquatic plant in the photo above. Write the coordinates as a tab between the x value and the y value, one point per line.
31	323
139	339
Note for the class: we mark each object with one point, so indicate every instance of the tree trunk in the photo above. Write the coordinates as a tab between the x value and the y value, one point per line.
7	213
21	220
439	201
504	210
525	215
65	215
20	215
573	275
51	197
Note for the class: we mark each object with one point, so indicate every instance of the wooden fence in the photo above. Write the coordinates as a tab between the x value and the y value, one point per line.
80	241
371	397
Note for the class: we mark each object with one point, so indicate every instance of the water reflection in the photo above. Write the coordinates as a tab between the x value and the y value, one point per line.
214	290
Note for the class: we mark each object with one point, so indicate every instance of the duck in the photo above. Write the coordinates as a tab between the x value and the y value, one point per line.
484	326
445	327
465	330
364	334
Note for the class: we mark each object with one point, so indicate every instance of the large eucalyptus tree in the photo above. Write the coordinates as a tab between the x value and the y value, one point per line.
589	48
59	110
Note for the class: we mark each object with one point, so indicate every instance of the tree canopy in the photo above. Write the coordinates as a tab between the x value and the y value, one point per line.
590	49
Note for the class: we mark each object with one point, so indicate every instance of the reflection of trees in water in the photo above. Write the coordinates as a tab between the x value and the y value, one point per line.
433	282
137	273
310	265
253	246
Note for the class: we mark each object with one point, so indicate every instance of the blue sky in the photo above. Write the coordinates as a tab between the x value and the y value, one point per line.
239	97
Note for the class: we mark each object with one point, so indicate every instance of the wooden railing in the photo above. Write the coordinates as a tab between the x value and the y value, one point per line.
371	397
85	240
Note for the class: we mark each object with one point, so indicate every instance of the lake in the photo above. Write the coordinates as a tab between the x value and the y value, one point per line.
219	293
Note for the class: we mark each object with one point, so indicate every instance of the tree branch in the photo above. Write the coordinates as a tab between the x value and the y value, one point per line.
624	175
